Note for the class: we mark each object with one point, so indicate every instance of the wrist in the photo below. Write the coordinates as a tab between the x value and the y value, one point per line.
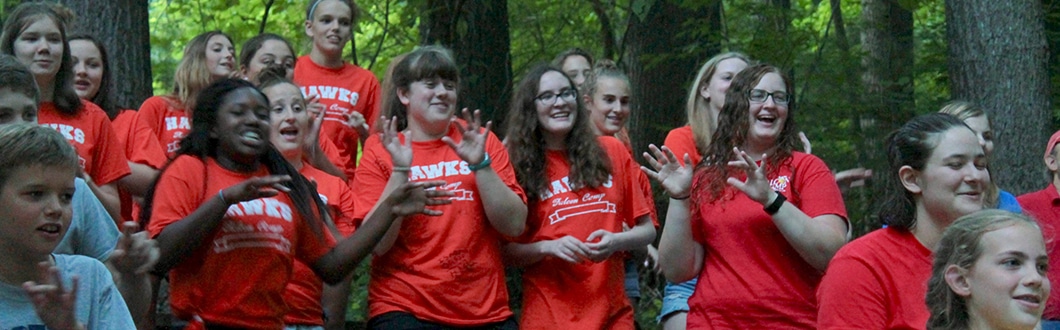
486	161
221	195
777	201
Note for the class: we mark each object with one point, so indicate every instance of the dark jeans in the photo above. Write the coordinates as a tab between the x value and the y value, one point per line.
405	321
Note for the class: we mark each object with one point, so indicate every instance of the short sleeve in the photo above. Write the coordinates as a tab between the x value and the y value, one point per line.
371	177
345	220
502	164
143	147
851	296
109	162
815	187
310	245
178	193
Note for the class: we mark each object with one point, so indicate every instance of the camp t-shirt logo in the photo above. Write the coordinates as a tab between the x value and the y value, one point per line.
237	234
570	206
780	184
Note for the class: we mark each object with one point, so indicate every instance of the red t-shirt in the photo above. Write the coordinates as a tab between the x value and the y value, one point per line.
141	147
752	277
304	289
236	278
342	90
561	295
1044	206
444	269
878	281
90	132
681	141
169	121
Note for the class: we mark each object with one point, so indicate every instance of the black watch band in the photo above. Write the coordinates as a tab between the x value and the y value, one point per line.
776	204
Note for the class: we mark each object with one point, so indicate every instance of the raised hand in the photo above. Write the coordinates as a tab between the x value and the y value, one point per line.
415	197
356	121
400	153
135	253
756	186
316	112
472	148
254	188
53	303
566	248
674	176
602	244
806	146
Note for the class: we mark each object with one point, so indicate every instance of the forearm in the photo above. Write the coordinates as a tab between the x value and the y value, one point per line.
522	255
108	195
180	238
679	262
815	239
638	237
504	209
321	162
349	252
137	182
135	291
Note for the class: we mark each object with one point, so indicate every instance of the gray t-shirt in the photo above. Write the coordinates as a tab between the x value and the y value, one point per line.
92	231
99	305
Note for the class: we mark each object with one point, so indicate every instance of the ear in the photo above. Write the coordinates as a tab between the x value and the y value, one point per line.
704	90
308	28
402	94
957	279
910	179
587	99
1052	163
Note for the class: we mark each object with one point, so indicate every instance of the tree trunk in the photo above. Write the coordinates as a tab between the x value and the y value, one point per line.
477	32
662	64
122	27
998	59
887	41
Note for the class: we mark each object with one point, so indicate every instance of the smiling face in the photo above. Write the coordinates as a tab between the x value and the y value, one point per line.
1007	286
577	68
556	116
609	105
272	52
953	179
220	56
430	103
715	88
331	27
36	203
242	127
981	126
289	120
88	68
40	48
767	118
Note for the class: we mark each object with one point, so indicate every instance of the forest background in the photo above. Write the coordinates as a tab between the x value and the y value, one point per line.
861	68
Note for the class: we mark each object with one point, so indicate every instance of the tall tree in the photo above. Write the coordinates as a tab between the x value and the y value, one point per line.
662	57
887	64
122	27
477	32
998	59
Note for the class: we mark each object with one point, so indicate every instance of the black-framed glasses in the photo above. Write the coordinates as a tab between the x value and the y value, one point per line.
760	96
549	98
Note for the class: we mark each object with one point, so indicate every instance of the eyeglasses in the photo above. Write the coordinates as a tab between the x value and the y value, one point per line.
760	96
549	98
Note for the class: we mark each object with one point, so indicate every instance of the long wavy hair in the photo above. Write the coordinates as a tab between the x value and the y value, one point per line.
961	245
63	95
201	145
427	62
910	145
104	97
697	108
192	75
589	164
734	123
